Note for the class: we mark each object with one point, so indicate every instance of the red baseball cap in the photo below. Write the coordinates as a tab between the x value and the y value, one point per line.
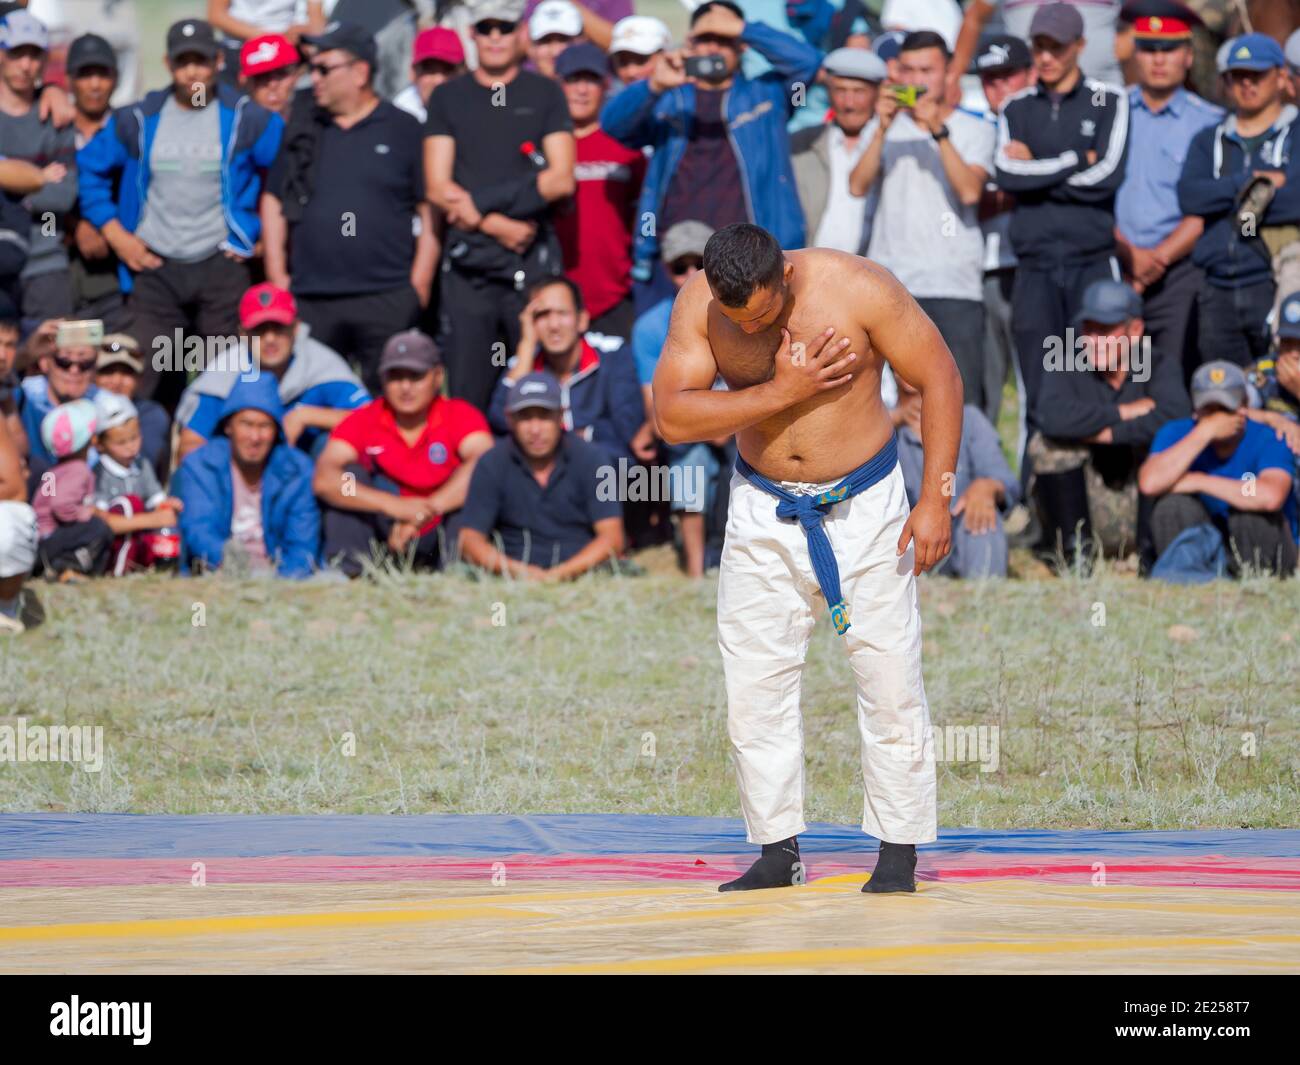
268	52
438	43
266	303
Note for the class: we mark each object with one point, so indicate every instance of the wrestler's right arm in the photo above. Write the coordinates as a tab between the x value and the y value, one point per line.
688	409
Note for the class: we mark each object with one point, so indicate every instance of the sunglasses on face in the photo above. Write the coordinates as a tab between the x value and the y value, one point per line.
485	28
685	266
64	363
325	70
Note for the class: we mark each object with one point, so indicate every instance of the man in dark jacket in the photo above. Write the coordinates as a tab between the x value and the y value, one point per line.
1061	151
1241	177
247	493
602	396
1099	409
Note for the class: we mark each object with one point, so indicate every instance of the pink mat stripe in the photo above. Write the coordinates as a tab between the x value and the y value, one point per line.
1271	873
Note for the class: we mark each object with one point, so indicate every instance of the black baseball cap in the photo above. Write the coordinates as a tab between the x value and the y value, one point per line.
1002	52
90	50
698	13
347	37
410	350
192	35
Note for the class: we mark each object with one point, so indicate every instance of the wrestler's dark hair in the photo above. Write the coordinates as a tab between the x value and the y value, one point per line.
740	258
914	42
566	282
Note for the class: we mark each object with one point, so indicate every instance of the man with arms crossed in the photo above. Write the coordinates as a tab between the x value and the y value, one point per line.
817	503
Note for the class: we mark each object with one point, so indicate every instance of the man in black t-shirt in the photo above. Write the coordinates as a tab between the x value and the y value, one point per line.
499	152
346	226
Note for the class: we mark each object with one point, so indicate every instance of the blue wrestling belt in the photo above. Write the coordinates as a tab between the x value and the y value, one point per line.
810	510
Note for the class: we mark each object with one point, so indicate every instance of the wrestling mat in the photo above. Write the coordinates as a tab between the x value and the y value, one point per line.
626	894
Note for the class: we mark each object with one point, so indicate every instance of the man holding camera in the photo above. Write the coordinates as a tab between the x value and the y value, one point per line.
722	153
929	162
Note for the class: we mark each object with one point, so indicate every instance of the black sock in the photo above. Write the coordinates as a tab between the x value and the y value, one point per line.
895	869
779	866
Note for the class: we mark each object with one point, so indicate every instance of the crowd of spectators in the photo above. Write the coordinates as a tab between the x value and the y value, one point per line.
391	280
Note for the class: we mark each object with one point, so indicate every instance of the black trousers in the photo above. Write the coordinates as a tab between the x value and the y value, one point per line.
961	324
199	299
82	546
1258	539
1045	298
479	330
1169	312
352	536
617	321
358	326
1232	322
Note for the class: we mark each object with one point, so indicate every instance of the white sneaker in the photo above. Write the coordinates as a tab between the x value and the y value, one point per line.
11	626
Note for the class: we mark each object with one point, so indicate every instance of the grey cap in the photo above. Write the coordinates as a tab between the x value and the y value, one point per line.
861	63
684	238
539	389
1292	49
1219	382
411	350
1061	22
501	10
1109	302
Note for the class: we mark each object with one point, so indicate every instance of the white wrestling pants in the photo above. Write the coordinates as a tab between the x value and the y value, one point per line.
768	603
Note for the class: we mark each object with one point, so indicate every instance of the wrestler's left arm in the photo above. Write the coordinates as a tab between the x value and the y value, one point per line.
911	344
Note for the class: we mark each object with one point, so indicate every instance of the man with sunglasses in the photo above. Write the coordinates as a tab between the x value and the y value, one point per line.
66	373
1253	149
171	182
499	153
351	236
721	148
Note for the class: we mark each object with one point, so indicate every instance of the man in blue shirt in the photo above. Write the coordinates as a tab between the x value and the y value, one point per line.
1220	468
546	496
1242	178
1154	237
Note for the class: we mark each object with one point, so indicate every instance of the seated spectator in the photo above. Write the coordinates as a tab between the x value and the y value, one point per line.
825	155
602	399
984	488
635	46
395	468
117	369
552	27
128	495
245	495
699	463
1224	163
596	230
1098	413
538	491
317	388
437	56
1223	470
11	389
74	541
66	374
1275	379
269	67
18	538
721	148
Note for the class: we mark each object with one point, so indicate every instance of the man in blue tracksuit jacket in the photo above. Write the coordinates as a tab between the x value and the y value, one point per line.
270	516
172	182
721	149
1257	139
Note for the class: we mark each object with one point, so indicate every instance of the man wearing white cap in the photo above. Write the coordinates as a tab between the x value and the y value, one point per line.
556	24
824	156
635	46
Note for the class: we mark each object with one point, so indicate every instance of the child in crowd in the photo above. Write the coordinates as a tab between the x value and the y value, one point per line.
74	541
128	495
117	369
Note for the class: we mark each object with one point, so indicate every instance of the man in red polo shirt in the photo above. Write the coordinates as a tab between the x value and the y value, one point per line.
395	468
595	231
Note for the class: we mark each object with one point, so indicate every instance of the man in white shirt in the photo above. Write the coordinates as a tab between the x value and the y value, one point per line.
825	155
928	162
